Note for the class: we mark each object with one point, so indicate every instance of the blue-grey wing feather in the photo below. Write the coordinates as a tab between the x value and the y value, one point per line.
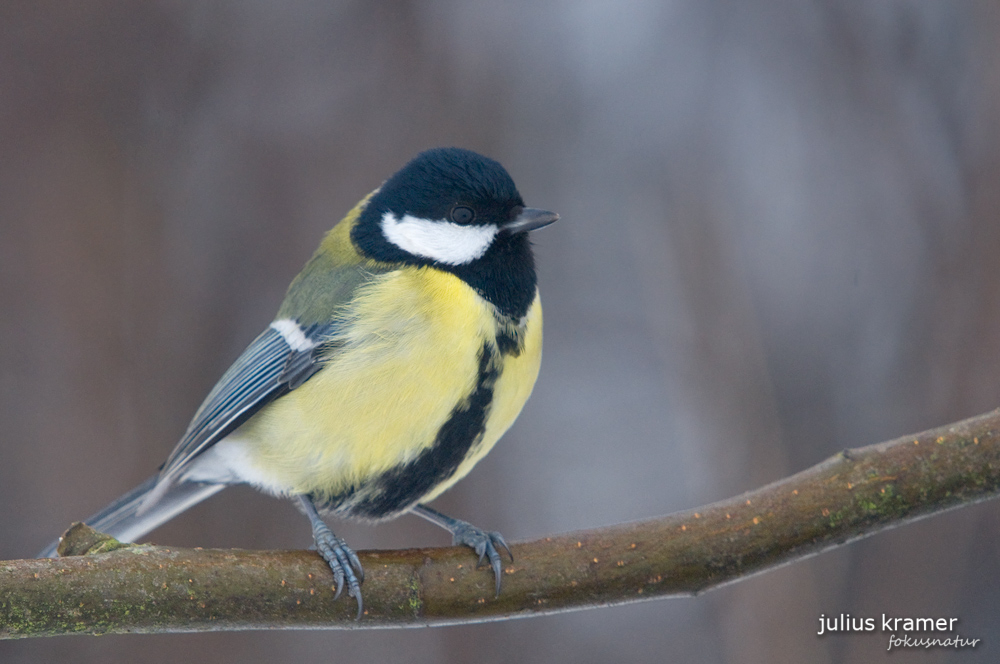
266	370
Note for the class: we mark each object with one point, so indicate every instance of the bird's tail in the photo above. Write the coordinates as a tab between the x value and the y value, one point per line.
122	521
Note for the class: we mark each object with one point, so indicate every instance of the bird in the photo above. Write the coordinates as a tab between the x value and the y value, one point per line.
401	353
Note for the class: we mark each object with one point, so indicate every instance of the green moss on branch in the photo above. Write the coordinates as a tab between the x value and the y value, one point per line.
128	588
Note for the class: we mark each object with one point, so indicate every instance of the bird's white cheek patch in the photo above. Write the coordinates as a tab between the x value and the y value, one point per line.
439	240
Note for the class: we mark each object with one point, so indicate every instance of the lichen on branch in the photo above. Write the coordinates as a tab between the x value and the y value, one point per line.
101	586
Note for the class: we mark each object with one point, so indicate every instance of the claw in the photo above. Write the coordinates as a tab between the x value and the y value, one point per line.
356	564
499	541
338	580
484	543
343	562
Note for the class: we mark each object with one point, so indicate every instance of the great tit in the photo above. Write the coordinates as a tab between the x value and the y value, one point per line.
404	349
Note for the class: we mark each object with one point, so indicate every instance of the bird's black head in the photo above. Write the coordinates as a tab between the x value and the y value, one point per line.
458	211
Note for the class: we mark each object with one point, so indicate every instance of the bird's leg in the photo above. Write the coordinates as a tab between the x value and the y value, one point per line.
341	558
485	544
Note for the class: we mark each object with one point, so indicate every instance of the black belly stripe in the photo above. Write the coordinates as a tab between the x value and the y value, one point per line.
401	487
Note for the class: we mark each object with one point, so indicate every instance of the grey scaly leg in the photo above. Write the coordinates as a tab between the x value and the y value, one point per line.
485	544
342	560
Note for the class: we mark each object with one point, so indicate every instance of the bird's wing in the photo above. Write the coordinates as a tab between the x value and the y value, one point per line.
283	357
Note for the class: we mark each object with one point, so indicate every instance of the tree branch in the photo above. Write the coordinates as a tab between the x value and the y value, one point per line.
101	586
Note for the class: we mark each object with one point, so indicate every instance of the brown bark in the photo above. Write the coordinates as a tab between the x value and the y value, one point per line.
100	586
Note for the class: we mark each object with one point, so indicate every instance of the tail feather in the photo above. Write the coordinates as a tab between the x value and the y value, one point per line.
122	521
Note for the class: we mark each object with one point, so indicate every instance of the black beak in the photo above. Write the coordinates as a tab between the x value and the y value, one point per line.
529	220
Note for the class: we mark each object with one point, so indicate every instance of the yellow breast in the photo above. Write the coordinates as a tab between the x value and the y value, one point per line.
405	361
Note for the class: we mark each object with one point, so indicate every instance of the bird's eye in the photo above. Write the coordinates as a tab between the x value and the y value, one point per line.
461	214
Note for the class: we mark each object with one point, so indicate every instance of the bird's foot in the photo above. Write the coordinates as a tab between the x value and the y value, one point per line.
343	562
486	544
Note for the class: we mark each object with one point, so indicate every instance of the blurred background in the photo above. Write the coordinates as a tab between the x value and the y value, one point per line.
780	238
